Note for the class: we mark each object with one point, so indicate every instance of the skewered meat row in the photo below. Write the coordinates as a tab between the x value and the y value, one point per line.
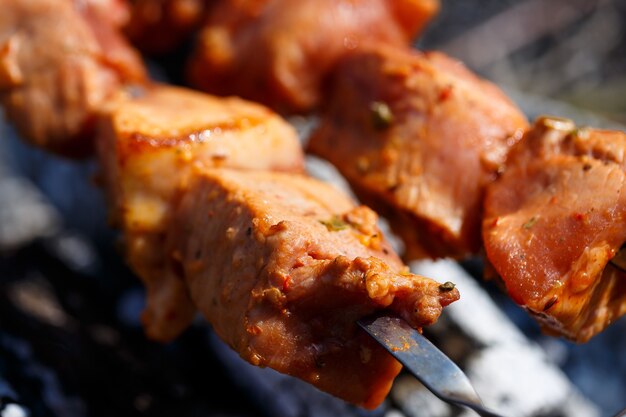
280	264
418	136
553	222
279	52
150	243
60	62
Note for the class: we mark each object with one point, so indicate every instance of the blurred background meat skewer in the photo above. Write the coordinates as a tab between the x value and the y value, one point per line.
60	65
280	52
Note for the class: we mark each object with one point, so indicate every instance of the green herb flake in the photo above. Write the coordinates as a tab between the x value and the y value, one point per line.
530	223
580	133
334	224
382	117
447	286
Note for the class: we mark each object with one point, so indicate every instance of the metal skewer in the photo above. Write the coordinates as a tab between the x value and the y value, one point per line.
428	364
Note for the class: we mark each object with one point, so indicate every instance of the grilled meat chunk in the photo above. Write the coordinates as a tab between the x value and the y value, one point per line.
282	266
553	222
279	52
147	148
418	136
60	62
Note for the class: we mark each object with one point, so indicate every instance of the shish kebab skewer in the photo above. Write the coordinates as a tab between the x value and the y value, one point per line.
421	138
280	264
548	228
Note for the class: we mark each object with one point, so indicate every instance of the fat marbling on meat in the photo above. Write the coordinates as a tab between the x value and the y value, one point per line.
279	52
147	148
60	63
553	222
283	265
418	136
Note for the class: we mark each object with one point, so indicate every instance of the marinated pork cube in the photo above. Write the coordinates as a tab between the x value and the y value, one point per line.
553	223
149	145
60	63
418	136
282	266
279	52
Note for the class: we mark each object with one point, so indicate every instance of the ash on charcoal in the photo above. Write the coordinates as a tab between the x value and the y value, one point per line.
24	214
74	251
35	297
13	410
416	401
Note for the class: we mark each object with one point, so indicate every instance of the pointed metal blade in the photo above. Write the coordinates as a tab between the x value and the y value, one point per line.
427	363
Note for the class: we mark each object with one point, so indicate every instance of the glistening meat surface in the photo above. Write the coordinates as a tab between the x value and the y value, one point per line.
282	266
554	220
